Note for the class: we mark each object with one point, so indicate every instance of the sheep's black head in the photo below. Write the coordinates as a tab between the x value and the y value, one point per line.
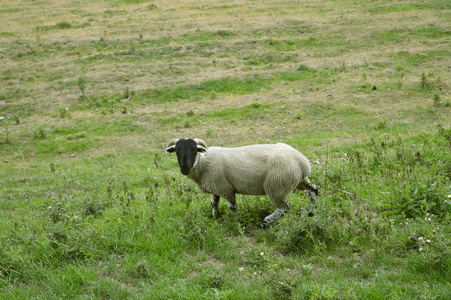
186	150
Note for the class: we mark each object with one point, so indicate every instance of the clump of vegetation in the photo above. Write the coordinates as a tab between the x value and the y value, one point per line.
81	82
152	6
40	133
5	134
63	113
63	25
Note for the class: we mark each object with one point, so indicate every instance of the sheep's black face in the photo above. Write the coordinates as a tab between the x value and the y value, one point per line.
186	150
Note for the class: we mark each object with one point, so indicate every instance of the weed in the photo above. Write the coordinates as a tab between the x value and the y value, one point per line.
187	124
281	282
211	277
5	134
343	67
190	113
63	112
256	105
157	162
224	33
93	206
302	234
125	198
437	101
429	85
152	7
81	82
381	125
446	134
40	133
142	270
63	25
424	82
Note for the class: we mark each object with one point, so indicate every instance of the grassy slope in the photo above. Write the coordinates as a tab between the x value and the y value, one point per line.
92	91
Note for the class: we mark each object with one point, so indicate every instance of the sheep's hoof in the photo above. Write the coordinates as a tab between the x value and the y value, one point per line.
263	224
315	189
287	208
216	214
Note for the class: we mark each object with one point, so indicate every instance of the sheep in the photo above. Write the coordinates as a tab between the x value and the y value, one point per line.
274	170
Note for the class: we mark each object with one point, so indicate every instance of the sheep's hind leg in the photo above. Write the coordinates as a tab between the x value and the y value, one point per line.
312	192
277	188
275	215
231	202
214	205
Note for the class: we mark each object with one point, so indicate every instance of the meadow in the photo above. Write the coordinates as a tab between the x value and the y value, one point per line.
91	92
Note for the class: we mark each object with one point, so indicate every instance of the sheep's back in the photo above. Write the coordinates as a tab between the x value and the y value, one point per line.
247	168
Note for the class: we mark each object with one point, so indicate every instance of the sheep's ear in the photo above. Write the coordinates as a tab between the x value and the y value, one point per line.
201	143
170	149
201	149
171	146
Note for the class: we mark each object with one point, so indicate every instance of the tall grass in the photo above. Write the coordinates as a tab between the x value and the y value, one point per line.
381	217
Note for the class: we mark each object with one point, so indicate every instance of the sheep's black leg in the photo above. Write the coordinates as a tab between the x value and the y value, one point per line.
214	205
231	201
312	192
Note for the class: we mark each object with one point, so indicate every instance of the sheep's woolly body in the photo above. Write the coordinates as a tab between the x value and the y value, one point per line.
273	170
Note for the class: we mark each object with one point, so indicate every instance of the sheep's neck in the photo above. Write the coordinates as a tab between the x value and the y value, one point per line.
193	174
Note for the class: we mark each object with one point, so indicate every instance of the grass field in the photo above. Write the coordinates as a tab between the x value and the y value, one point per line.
91	92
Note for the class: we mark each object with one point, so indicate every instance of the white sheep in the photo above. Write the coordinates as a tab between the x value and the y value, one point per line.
273	170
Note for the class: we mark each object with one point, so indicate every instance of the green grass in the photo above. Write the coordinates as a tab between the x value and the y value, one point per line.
419	58
249	85
431	31
433	5
92	208
9	10
90	245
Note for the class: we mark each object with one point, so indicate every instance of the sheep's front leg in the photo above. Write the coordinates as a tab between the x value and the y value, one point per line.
214	205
